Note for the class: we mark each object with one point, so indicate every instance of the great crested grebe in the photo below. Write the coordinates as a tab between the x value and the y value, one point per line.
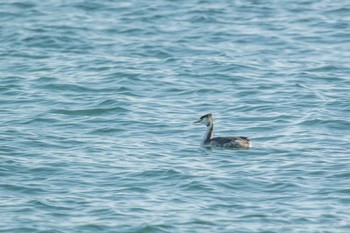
227	142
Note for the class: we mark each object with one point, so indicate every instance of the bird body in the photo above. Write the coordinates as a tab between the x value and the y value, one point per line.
226	142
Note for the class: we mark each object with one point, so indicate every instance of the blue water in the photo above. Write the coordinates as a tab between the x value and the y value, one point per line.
98	98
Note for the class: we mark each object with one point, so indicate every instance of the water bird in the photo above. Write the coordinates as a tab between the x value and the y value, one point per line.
226	142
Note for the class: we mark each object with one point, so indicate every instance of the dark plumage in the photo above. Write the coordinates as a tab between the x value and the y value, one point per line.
227	142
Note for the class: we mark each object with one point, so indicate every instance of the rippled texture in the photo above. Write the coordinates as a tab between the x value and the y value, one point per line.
98	98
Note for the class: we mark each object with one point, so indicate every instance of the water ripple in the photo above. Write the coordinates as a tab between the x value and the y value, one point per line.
98	103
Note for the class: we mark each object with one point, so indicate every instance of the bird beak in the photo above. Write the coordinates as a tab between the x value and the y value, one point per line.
195	122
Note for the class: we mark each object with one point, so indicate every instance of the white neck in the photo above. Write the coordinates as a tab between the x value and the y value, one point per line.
208	134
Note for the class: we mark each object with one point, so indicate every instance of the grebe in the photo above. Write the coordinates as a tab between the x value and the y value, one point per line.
227	142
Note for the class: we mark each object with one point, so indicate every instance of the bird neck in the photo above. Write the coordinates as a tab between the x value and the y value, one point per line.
208	134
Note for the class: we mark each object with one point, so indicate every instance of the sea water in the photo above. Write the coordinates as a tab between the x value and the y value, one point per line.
98	99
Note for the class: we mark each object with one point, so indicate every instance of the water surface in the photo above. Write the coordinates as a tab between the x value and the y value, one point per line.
98	98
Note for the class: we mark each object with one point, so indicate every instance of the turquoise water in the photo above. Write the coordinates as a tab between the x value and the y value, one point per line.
98	98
